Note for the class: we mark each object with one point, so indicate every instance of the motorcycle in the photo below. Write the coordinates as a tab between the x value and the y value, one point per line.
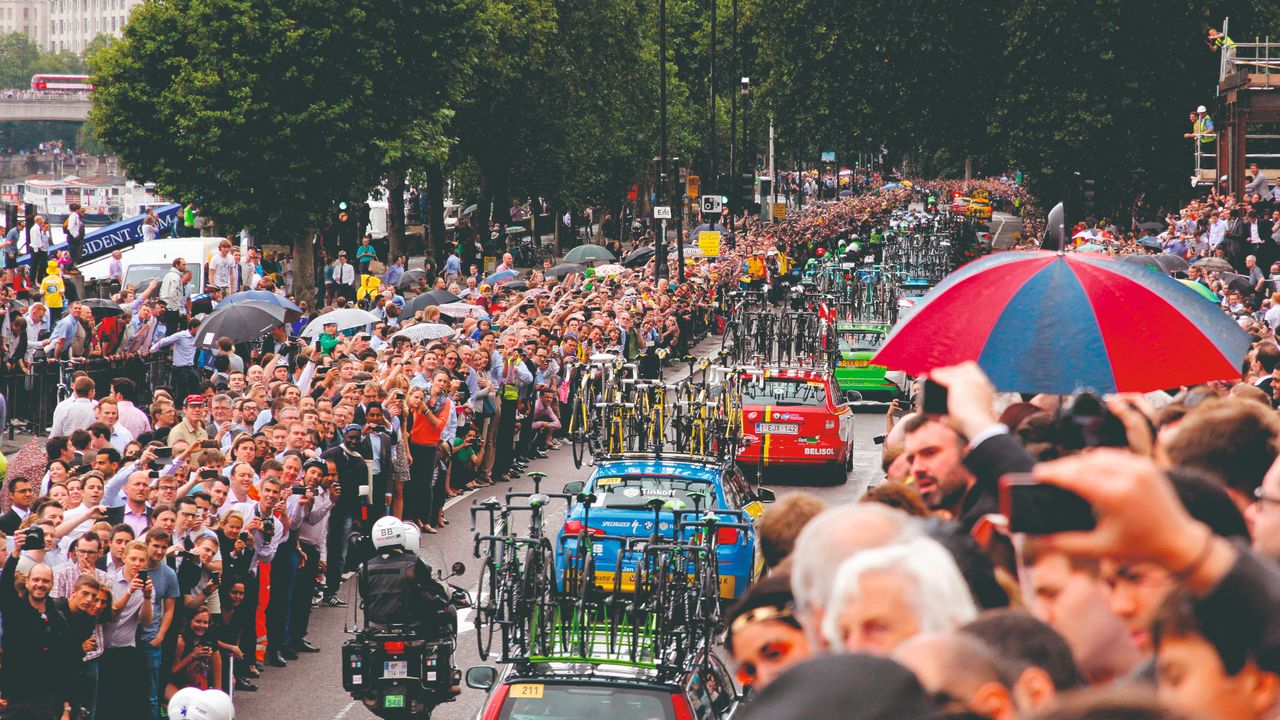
397	673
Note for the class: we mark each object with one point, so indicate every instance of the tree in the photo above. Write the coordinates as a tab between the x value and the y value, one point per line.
280	107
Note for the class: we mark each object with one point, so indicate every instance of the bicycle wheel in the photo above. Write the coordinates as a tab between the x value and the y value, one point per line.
484	610
578	430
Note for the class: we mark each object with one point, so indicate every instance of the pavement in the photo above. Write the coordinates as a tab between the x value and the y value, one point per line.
311	687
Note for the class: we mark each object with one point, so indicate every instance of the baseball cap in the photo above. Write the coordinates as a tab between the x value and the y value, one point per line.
194	400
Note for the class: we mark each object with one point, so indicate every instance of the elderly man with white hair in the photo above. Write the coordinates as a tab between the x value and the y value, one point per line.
882	597
828	540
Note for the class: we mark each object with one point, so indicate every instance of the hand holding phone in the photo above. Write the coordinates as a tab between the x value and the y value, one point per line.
1037	508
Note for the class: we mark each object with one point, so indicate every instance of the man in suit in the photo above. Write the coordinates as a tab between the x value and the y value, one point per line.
376	445
22	493
134	512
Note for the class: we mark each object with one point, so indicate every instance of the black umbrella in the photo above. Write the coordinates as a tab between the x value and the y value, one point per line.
241	322
291	312
1152	225
442	296
410	278
1172	263
705	227
638	257
1236	282
103	307
515	285
1163	262
564	270
418	303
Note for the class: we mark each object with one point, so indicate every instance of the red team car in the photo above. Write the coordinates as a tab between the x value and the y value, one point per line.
796	418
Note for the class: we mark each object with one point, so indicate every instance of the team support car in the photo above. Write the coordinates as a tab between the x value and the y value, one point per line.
979	209
625	487
796	418
959	205
854	371
702	690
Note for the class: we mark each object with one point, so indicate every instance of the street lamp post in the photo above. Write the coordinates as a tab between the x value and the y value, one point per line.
746	154
663	192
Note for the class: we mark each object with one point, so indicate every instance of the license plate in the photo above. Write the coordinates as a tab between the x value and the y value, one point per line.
854	363
777	429
393	701
395	669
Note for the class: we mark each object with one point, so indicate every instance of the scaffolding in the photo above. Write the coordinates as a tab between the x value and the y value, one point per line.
1247	116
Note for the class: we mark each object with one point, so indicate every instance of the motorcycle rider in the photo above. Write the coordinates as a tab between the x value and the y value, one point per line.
399	589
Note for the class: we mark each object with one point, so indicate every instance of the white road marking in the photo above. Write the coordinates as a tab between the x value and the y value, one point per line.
343	712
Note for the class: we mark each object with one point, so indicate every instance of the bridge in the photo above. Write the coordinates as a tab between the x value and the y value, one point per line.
27	105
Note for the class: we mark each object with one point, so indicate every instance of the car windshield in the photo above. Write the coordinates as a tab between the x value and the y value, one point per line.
557	701
633	492
140	275
784	391
855	341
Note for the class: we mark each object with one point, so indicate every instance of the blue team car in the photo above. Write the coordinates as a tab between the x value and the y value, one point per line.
624	490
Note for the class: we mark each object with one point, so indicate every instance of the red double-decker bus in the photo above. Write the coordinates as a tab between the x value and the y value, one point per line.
61	83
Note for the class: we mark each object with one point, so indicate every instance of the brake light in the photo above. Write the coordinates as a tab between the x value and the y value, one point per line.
394	647
727	536
499	698
573	527
681	704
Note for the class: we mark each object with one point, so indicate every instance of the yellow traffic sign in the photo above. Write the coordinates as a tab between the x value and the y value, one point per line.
709	243
693	186
779	211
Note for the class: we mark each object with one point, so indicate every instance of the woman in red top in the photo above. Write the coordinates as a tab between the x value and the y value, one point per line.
425	418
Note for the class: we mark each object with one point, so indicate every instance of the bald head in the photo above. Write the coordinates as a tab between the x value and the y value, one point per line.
39	581
827	541
961	668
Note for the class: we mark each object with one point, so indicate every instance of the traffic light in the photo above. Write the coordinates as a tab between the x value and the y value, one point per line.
344	214
744	192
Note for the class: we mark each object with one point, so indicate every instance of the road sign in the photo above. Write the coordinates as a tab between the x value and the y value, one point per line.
779	211
709	243
711	203
693	186
662	212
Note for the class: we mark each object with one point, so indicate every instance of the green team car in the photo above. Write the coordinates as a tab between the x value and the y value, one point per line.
858	342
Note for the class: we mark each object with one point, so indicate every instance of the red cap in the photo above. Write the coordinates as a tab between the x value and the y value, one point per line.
194	400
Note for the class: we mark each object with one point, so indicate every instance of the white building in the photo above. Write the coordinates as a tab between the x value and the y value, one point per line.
29	17
73	24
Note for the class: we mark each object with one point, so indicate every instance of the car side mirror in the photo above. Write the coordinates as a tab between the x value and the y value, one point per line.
482	677
573	488
765	495
852	396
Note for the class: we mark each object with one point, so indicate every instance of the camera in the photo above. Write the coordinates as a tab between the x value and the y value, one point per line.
163	451
215	578
244	538
299	490
34	539
142	575
474	442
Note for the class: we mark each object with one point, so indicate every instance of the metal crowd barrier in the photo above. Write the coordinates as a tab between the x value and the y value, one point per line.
32	397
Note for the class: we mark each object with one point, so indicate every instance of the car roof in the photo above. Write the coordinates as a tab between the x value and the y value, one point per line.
788	373
653	466
601	673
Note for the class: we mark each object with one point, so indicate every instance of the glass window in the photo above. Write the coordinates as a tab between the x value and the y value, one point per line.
561	700
783	391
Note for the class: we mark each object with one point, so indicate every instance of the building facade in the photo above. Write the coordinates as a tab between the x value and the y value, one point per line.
73	24
29	17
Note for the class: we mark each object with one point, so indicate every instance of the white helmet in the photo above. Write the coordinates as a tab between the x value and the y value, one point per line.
181	702
1201	109
387	533
412	538
212	705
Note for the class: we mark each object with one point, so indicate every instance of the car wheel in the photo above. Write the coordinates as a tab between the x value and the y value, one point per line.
837	475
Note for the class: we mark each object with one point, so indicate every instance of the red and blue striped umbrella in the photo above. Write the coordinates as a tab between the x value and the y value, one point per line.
1049	323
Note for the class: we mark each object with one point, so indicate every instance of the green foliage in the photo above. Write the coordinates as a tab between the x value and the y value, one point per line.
280	106
20	58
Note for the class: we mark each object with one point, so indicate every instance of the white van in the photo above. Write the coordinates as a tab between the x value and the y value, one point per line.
146	260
